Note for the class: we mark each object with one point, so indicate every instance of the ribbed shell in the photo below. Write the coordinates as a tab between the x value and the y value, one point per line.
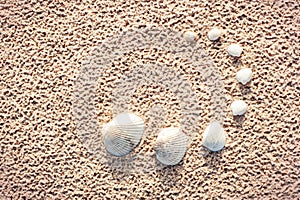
123	134
214	138
170	146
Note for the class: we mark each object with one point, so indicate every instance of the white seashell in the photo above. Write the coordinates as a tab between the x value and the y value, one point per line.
235	50
244	75
123	134
190	36
170	146
214	34
214	138
238	107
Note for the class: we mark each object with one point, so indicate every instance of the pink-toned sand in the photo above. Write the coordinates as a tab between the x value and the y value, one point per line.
42	46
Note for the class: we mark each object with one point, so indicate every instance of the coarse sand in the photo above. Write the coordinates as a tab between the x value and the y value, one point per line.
43	44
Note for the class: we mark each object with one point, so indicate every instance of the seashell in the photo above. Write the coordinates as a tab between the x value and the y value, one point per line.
170	146
244	75
214	138
190	36
123	134
235	50
238	107
214	34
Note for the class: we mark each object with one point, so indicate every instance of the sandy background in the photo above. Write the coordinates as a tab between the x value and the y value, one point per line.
41	50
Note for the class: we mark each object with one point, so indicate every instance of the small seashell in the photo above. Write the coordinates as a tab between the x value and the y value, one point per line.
238	107
123	134
214	34
244	75
235	50
214	138
190	36
170	146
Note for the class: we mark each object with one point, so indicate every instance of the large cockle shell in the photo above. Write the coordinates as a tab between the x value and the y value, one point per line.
170	146
123	134
214	137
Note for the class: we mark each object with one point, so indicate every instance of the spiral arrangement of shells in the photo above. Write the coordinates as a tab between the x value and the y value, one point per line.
123	134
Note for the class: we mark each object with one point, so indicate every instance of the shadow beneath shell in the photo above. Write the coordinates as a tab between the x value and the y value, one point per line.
245	89
235	61
169	175
239	119
121	168
119	175
217	44
212	159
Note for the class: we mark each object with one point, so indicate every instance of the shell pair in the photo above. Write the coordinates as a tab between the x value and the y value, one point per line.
123	134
